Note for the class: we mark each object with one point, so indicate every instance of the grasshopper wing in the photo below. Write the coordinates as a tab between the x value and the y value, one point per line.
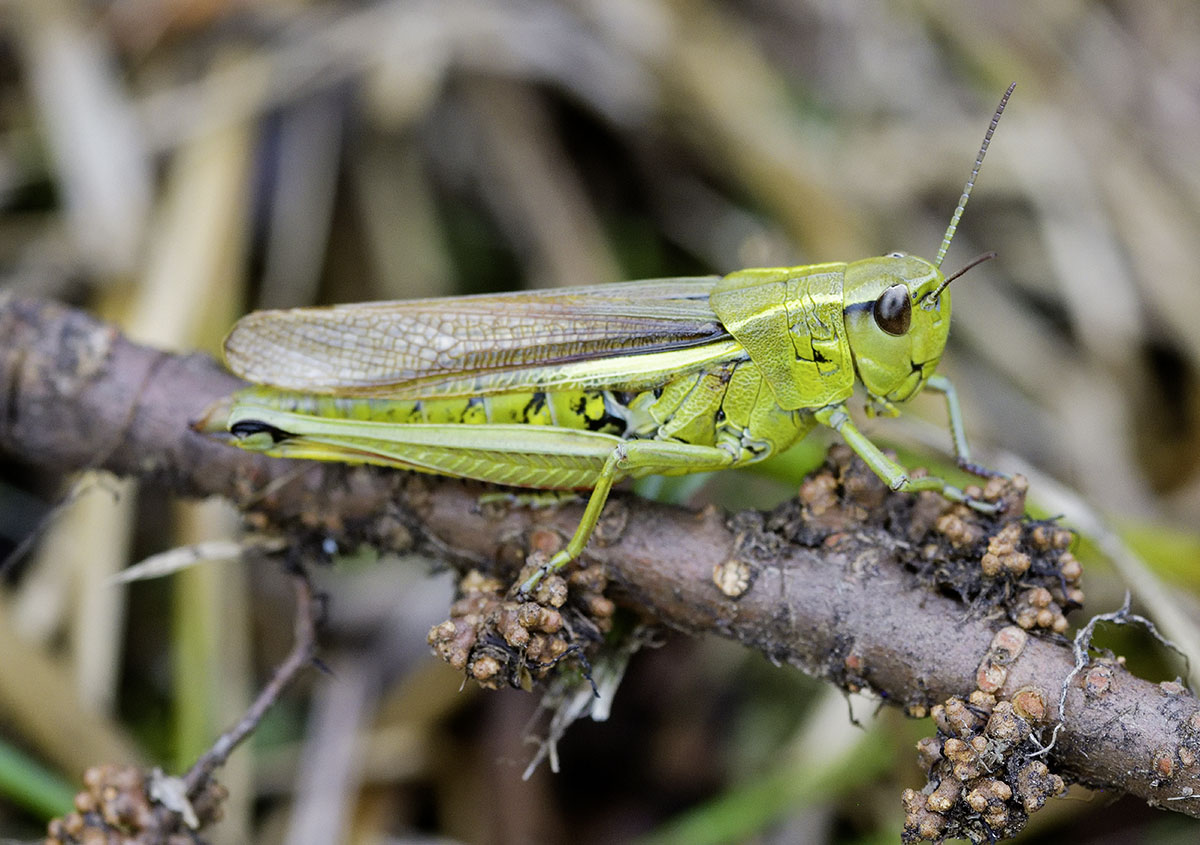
408	348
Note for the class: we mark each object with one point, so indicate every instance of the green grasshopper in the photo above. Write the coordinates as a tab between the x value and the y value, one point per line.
575	389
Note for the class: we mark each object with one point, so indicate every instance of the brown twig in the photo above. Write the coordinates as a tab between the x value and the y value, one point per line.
300	657
72	389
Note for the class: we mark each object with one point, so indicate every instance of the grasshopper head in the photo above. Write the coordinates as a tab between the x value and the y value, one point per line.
897	307
897	322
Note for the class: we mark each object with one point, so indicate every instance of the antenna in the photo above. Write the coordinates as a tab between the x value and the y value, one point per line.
966	194
974	262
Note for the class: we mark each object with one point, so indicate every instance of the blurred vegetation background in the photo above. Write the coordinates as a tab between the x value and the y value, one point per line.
171	164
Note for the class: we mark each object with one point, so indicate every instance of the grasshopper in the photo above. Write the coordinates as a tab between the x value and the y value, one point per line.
576	389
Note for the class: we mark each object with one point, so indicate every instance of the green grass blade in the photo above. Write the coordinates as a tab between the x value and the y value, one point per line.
28	784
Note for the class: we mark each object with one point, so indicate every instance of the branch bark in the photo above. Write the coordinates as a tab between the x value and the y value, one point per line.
74	393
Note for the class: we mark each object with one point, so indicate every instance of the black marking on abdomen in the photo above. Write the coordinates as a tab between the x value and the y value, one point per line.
609	421
536	403
613	421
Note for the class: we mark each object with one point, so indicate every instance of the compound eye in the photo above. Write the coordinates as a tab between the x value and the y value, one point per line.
893	310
